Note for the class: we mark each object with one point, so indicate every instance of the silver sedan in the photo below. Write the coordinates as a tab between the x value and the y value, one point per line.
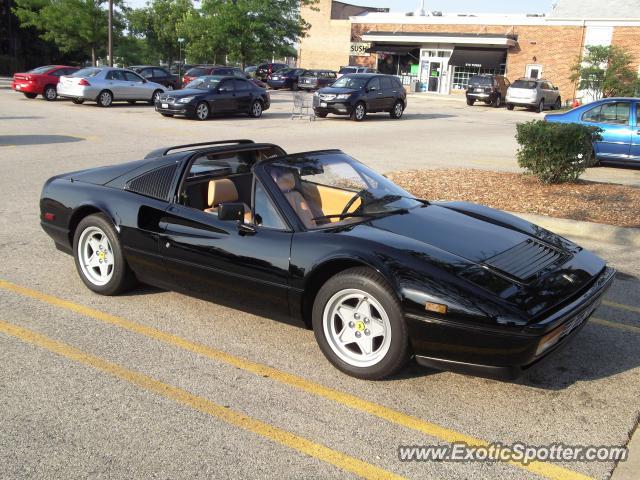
105	85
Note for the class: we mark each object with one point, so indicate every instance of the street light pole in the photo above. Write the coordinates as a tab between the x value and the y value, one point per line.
110	49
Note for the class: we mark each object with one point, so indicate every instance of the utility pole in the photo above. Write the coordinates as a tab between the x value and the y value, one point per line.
110	49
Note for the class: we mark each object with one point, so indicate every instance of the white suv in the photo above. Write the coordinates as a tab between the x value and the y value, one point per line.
535	93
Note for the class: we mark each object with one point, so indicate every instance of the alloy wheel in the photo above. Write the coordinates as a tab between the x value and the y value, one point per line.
50	93
398	110
256	109
360	111
95	255
202	111
357	328
105	99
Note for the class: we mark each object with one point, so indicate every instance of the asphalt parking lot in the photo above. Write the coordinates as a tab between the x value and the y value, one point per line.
154	384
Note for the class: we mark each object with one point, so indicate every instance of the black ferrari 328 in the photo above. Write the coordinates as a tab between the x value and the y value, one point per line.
379	275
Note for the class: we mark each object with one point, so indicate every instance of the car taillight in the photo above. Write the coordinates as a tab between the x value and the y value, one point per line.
84	83
28	78
49	217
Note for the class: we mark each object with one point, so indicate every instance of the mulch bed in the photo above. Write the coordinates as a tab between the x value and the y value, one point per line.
587	201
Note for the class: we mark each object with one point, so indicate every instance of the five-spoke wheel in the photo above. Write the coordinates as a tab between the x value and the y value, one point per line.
96	256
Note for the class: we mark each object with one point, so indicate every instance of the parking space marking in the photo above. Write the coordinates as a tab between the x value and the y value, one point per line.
547	470
621	306
618	325
237	419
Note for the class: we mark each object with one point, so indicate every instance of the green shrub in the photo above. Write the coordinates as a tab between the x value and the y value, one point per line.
556	152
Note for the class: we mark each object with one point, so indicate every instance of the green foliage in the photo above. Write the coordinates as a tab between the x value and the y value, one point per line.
556	152
160	23
73	25
605	71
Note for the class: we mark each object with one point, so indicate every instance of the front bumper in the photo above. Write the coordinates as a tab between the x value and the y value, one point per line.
186	109
337	107
505	356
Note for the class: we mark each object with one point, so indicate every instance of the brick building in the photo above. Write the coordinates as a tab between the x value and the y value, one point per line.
441	49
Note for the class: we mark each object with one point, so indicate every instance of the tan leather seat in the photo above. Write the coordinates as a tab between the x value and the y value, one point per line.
224	191
286	181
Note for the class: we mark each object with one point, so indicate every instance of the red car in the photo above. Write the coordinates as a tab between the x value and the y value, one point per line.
41	81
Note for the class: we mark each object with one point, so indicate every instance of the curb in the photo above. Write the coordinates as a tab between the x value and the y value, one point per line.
629	469
593	231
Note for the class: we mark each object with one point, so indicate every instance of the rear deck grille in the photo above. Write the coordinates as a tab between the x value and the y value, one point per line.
525	259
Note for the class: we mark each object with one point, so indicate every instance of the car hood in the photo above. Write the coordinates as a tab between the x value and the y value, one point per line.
481	251
337	90
187	92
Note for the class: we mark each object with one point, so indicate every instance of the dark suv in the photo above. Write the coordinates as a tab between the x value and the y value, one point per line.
490	89
158	75
358	94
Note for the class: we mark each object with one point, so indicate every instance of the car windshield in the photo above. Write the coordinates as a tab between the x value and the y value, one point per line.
480	80
87	72
530	84
41	70
284	71
196	72
328	189
204	83
351	82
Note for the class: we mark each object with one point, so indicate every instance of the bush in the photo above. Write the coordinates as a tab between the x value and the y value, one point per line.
556	152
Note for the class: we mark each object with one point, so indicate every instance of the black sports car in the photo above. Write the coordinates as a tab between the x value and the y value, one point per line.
212	94
380	276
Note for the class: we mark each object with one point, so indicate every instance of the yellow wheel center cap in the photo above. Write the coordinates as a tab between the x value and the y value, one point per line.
360	326
102	256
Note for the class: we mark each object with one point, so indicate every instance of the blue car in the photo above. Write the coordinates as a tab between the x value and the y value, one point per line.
619	118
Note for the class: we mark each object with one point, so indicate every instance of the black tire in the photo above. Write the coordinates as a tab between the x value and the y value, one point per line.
77	101
155	96
397	110
540	107
202	111
510	106
294	87
376	287
497	102
166	114
359	112
321	115
557	105
30	95
122	277
471	102
255	111
105	99
50	93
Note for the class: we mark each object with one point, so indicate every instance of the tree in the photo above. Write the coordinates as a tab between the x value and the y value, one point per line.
159	23
605	71
246	30
73	25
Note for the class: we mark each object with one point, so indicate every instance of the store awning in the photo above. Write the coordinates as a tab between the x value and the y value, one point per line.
392	49
421	38
478	57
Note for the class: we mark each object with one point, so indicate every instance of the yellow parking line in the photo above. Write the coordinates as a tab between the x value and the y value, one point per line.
275	434
433	430
621	306
617	325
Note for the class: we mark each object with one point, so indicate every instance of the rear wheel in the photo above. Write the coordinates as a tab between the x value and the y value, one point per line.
510	106
30	95
359	112
470	102
202	111
358	324
50	93
105	99
77	101
558	104
99	258
397	110
540	107
256	109
294	86
497	102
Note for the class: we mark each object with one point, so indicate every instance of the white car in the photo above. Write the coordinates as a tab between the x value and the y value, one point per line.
105	85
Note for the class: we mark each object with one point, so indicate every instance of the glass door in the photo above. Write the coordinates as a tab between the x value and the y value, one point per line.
434	76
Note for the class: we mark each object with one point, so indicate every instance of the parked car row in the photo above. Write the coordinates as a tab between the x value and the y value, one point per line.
496	90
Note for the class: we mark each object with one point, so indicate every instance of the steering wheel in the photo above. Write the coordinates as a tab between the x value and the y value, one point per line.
350	203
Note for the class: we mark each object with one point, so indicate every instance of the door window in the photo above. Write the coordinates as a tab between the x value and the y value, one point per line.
616	113
115	75
147	73
374	84
158	72
386	83
266	213
226	86
241	85
132	77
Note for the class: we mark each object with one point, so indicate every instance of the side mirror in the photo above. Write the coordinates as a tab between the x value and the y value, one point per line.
231	211
556	88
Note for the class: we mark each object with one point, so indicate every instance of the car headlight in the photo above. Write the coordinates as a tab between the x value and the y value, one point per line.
186	99
343	96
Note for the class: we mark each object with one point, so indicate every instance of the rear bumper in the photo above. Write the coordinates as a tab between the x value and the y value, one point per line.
277	84
25	87
78	91
505	356
521	102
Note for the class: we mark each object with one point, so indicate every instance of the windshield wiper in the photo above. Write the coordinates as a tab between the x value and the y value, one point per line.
398	211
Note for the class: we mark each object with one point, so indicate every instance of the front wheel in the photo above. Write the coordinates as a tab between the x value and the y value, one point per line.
202	111
558	104
256	109
294	86
155	96
397	110
50	93
77	101
358	324
470	102
497	102
105	99
359	112
321	114
510	106
99	258
540	107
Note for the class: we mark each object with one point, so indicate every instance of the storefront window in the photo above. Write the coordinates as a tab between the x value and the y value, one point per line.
461	75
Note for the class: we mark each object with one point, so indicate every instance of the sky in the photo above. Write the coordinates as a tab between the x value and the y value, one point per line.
475	6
